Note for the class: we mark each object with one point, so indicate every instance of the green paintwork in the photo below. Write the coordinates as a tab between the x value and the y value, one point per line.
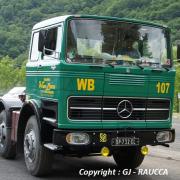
137	83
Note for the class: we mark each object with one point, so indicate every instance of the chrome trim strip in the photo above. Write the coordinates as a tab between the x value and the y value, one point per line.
139	109
109	109
156	109
135	109
84	108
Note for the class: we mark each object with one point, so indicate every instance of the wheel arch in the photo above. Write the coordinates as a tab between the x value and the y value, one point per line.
29	109
2	105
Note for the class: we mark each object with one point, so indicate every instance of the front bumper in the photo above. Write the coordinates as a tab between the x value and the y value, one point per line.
101	138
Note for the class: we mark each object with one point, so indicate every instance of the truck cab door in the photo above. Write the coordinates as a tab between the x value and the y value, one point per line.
48	69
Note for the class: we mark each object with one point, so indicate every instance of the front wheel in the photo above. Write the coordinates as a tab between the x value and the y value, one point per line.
38	159
128	157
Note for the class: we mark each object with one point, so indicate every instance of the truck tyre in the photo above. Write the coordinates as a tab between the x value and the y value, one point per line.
7	148
128	157
38	159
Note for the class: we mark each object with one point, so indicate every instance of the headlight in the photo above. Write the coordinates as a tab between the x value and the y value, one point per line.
164	136
77	138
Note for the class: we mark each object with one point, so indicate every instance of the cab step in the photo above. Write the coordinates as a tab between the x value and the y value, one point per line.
52	147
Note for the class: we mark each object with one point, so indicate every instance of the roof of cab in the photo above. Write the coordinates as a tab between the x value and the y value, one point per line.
59	19
50	21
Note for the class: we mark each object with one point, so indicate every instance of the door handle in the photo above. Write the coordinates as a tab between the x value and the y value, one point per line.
39	66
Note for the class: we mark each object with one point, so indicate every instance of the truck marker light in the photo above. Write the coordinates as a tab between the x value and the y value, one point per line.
144	150
105	151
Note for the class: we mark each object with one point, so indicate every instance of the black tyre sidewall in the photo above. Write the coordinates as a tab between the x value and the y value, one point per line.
9	149
32	124
42	163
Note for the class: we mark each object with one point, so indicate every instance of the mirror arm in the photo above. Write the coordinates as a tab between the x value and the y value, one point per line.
178	52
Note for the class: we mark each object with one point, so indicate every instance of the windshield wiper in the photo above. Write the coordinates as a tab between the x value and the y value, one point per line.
166	68
160	69
141	67
112	65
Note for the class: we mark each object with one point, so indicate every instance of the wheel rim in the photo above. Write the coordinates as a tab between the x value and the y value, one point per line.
30	146
3	132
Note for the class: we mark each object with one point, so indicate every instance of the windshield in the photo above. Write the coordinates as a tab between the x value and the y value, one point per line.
104	42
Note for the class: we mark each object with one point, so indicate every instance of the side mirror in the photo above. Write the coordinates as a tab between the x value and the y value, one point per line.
22	97
178	53
140	47
41	43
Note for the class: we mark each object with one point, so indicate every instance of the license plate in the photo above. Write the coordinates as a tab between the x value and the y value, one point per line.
125	141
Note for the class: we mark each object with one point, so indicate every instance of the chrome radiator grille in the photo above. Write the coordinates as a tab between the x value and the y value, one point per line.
117	108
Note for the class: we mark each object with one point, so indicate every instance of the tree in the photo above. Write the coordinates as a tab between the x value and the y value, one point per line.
11	75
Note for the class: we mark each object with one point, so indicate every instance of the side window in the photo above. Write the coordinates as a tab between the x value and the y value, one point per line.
51	40
34	48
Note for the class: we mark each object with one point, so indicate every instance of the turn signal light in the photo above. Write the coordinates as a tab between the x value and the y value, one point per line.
105	151
144	150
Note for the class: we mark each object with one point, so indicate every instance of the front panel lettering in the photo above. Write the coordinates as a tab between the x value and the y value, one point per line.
163	87
85	84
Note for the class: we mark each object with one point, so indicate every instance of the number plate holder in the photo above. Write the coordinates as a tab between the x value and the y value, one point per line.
124	141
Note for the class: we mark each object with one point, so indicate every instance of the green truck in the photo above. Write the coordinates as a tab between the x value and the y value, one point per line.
95	85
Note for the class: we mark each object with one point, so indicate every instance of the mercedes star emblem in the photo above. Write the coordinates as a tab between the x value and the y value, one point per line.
124	109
